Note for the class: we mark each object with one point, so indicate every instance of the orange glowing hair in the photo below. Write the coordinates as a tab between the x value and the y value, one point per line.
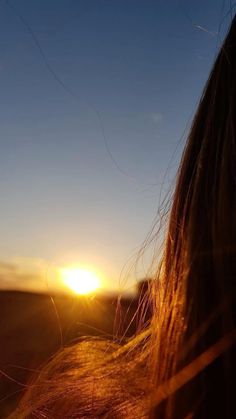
183	365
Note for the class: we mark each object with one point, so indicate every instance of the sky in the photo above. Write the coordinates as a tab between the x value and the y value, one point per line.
96	101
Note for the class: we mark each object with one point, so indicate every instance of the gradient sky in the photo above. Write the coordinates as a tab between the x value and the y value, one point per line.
95	98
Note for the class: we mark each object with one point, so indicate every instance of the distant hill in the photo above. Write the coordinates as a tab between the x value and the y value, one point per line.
34	326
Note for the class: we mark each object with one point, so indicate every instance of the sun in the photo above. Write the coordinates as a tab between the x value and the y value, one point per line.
81	281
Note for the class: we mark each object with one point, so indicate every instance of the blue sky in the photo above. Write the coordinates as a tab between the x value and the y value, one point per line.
95	98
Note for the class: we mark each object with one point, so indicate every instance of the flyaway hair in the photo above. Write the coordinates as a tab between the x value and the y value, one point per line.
183	365
196	301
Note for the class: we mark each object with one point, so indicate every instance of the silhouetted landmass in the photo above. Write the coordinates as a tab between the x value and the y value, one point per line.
33	327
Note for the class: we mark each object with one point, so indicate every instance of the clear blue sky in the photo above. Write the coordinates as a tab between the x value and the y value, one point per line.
95	97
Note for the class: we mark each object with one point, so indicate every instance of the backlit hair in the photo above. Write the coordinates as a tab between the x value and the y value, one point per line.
183	365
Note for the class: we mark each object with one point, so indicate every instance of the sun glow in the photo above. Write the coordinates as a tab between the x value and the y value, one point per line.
79	280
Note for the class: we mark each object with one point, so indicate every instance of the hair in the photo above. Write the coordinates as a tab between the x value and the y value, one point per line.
183	364
198	277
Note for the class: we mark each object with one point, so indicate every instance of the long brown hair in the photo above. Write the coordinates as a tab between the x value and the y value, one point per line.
183	365
195	302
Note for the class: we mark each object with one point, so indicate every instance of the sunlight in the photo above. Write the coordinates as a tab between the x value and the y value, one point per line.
79	280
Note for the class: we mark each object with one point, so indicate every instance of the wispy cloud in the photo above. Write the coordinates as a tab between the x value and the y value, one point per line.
26	274
157	117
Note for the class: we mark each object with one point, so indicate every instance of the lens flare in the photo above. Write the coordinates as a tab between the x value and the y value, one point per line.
80	281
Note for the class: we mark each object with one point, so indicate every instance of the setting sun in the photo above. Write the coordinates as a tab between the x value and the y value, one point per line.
79	280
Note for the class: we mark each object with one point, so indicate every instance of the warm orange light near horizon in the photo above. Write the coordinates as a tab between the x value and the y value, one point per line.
81	281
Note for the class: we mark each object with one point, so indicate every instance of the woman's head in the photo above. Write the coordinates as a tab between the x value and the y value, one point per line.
198	275
194	297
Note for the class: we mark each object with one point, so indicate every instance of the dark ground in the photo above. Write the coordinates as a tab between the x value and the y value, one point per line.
30	332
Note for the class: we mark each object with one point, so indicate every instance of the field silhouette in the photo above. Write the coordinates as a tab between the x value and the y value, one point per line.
34	326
